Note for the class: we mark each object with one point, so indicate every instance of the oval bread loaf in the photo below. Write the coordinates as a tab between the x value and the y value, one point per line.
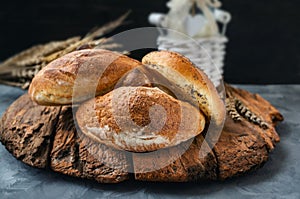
79	72
182	72
139	119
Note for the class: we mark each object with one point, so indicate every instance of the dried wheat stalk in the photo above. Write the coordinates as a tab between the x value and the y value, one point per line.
237	110
20	69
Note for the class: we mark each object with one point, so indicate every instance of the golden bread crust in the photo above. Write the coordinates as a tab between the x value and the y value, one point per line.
194	82
139	119
74	76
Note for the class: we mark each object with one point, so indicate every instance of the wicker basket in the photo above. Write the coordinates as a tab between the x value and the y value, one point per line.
206	53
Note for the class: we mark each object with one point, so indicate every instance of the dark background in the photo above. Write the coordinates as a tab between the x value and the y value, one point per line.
264	35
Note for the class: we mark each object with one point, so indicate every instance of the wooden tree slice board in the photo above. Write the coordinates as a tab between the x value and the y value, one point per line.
46	137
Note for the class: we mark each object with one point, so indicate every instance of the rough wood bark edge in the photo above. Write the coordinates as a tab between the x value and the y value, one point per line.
242	146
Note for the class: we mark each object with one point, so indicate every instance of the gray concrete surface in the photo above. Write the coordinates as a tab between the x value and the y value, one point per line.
278	178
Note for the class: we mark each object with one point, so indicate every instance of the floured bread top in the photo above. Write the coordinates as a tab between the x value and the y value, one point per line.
139	119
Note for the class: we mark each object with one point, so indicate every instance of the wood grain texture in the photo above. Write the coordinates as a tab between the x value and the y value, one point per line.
46	137
26	130
242	145
182	163
76	155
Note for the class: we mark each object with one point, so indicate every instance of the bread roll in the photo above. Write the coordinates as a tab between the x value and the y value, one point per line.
76	74
182	72
139	119
148	77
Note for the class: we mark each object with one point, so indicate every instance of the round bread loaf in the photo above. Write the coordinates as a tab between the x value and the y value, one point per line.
139	119
74	77
182	72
